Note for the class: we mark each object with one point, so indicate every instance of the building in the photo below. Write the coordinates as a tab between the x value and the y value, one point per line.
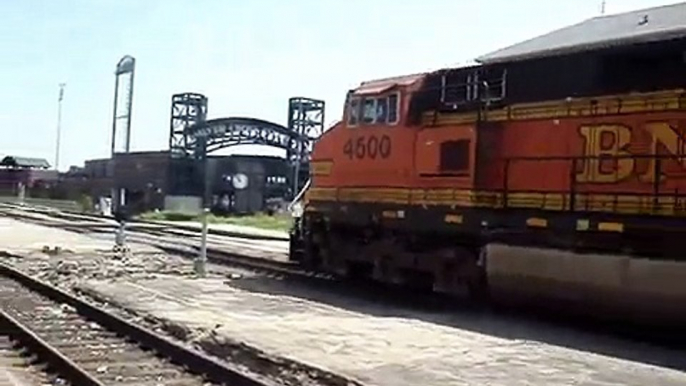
237	183
22	172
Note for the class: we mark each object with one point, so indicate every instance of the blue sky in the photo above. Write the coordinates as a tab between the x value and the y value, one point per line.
247	57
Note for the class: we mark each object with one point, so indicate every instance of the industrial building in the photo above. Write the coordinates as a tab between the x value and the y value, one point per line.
237	183
18	173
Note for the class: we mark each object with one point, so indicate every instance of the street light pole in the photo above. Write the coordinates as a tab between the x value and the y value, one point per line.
200	263
59	125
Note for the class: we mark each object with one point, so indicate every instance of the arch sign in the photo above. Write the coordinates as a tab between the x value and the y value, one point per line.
225	132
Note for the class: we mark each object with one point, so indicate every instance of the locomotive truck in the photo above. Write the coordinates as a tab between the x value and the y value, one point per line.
553	171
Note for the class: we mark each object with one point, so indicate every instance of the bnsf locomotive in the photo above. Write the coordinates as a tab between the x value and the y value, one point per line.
553	171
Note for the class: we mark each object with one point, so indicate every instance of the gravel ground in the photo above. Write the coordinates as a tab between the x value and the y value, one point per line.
304	334
84	259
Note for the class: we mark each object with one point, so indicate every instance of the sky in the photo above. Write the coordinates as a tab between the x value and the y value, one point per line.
247	57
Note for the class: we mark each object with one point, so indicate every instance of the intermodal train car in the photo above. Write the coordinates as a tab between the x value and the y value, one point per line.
553	170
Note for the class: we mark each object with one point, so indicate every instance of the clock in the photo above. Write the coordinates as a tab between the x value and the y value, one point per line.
240	181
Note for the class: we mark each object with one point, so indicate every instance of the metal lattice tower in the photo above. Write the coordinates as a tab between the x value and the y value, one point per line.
187	110
306	118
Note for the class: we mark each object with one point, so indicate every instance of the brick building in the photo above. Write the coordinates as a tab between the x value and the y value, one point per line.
32	173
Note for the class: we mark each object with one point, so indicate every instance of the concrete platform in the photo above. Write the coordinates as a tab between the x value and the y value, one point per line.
377	345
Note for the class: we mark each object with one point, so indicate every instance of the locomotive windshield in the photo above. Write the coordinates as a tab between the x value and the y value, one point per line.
374	110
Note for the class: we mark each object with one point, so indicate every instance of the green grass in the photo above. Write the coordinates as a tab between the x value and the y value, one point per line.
168	216
262	221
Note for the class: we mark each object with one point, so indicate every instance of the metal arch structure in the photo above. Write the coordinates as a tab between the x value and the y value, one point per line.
217	134
192	138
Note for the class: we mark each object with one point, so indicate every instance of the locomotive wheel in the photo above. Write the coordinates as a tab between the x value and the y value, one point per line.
332	262
458	275
386	272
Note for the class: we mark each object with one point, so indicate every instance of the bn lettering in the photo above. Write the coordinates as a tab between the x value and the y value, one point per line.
613	152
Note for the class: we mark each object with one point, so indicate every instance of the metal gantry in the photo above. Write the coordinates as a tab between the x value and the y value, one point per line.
306	120
187	110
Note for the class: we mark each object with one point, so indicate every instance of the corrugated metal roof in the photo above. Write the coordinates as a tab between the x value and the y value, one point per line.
24	162
651	24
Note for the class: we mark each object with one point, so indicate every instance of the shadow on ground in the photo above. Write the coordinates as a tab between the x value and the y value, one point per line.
569	332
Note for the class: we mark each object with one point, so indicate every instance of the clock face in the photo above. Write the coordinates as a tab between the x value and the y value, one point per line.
240	181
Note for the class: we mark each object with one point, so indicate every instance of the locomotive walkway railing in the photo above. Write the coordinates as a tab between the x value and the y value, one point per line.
636	184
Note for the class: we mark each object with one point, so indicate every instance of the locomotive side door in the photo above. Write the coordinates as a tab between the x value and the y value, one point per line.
446	156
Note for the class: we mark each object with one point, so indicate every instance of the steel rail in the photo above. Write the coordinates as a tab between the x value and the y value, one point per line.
290	270
214	255
63	365
198	362
64	215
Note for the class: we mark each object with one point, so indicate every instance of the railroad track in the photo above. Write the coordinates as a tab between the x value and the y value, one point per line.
18	367
174	244
109	223
181	246
88	346
174	241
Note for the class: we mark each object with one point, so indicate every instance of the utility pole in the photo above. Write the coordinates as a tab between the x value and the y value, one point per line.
602	7
59	125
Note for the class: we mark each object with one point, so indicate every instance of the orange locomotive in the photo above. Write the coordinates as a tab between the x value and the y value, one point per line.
553	170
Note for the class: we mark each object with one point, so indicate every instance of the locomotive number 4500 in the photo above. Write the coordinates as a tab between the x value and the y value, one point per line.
368	147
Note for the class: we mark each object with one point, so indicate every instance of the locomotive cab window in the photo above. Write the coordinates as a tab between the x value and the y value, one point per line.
454	157
381	110
369	110
393	106
374	110
354	112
